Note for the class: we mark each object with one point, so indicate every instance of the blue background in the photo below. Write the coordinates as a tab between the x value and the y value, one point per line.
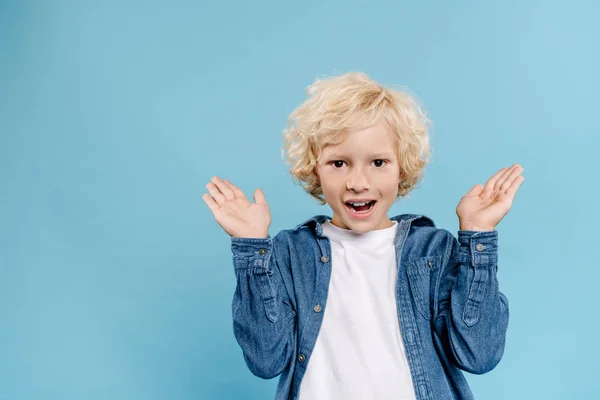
115	280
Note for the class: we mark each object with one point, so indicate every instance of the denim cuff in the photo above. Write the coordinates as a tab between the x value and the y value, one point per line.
251	252
478	248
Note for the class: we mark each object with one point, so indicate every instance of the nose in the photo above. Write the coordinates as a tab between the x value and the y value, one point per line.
358	181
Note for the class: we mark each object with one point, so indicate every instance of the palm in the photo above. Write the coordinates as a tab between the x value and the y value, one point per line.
486	206
239	215
235	213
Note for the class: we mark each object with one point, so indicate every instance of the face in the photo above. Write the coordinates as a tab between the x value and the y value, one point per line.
363	168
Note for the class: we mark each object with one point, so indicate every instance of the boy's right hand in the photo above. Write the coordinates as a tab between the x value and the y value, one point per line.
235	213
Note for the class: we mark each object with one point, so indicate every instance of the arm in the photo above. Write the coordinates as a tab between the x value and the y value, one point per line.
472	314
263	316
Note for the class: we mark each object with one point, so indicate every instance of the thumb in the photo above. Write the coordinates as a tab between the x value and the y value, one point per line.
259	197
475	190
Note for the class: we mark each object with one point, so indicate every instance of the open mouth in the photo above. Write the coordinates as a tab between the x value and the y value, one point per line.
360	208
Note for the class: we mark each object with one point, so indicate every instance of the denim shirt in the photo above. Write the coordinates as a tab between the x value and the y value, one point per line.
451	313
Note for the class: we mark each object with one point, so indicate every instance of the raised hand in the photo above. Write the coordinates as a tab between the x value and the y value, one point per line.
482	208
235	213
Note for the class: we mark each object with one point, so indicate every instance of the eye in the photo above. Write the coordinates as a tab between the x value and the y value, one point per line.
380	162
337	163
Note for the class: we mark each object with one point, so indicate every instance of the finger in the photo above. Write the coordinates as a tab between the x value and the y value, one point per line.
516	172
212	205
504	177
236	191
490	184
223	188
215	193
512	190
259	197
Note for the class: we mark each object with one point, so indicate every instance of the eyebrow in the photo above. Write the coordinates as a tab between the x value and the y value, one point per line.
377	155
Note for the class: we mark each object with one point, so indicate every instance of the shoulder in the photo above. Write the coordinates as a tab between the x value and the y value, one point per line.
424	238
301	235
421	223
305	230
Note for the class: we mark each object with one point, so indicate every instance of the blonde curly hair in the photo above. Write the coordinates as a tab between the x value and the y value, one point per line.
339	105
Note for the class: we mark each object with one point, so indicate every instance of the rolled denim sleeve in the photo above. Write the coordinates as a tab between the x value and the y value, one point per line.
263	316
472	315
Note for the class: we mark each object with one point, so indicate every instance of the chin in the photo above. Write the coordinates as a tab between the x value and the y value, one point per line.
362	227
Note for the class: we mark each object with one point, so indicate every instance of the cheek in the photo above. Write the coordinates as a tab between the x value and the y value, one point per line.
329	183
388	185
327	189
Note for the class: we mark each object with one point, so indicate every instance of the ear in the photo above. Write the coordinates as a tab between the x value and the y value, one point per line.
316	176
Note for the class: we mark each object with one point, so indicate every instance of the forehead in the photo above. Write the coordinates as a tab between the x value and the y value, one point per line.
375	140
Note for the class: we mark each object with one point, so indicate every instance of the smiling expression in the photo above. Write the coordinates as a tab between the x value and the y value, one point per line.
363	168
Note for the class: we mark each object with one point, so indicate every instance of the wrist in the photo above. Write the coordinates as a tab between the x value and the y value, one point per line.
470	227
252	235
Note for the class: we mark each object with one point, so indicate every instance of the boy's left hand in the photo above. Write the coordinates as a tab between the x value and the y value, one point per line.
482	208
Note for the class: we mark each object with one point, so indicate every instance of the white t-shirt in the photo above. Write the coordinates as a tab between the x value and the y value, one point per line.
359	352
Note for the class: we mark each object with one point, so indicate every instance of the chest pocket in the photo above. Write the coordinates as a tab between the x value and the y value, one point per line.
421	277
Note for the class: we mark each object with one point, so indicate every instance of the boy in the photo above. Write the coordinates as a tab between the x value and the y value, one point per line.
361	306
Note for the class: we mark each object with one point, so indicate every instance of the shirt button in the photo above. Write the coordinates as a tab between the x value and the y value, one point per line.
317	308
480	247
262	252
301	357
324	258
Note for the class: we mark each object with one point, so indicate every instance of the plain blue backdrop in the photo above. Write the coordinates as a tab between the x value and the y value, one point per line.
115	280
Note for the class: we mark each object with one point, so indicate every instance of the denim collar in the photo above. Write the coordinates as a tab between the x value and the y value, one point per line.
316	222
